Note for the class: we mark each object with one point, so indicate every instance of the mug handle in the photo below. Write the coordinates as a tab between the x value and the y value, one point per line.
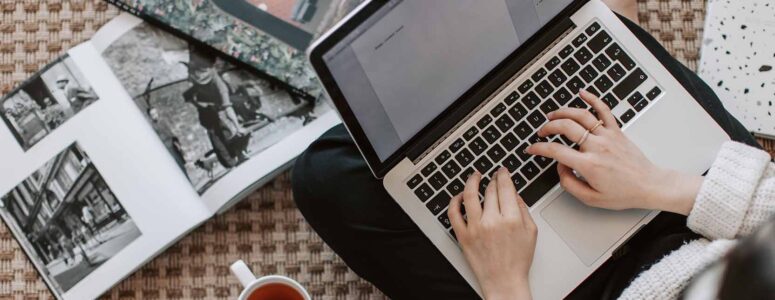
243	273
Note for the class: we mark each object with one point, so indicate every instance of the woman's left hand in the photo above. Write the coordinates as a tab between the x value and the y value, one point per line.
498	239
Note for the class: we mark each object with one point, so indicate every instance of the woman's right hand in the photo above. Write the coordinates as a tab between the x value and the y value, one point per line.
616	174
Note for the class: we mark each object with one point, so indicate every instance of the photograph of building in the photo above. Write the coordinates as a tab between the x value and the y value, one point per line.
46	101
67	218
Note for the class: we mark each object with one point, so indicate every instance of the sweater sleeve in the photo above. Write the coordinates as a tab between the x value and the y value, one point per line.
737	195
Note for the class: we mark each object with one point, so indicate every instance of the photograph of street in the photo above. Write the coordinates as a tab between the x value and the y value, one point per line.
46	101
67	218
210	115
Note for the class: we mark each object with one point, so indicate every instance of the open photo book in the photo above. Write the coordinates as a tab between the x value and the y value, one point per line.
132	139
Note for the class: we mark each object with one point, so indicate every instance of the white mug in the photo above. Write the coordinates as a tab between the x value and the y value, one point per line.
250	283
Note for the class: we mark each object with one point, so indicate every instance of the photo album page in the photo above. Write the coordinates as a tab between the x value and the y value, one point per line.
101	147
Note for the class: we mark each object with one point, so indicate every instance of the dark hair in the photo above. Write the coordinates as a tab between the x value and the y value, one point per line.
750	267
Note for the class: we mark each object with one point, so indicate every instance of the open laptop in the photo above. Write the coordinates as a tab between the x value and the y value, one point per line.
431	90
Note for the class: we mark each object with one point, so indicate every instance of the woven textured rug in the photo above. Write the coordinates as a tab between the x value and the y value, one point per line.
265	229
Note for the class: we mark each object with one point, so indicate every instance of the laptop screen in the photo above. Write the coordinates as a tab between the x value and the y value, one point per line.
413	58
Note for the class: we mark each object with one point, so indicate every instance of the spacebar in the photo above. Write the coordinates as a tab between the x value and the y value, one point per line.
545	182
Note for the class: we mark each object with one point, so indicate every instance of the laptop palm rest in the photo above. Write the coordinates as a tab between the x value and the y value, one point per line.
589	231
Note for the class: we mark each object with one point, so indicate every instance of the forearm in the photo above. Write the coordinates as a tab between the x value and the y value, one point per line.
520	290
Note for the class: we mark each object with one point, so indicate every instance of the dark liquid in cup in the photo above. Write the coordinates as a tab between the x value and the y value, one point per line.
275	291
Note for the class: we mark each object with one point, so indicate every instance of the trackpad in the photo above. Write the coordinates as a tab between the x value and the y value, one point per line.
589	231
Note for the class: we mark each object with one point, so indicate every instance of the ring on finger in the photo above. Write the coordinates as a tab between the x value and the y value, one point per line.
597	125
583	138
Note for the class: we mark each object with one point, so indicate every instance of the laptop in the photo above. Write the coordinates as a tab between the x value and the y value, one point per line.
431	90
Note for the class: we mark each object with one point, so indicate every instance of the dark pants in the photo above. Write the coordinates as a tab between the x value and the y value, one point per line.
353	213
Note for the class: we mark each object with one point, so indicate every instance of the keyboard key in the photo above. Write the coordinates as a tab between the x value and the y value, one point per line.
451	169
523	130
484	121
483	165
519	181
588	74
491	134
616	72
438	203
483	184
512	98
601	62
509	141
444	219
603	84
562	96
616	53
592	90
592	28
635	98
498	109
535	138
455	187
600	41
654	93
424	192
414	182
583	56
567	51
524	156
538	75
443	156
579	40
496	153
538	188
610	100
565	140
526	86
544	89
470	133
477	146
428	170
518	112
504	123
529	170
511	163
542	161
641	105
531	100
452	233
437	180
570	66
552	63
629	84
574	85
536	119
557	78
578	103
456	145
627	116
549	106
467	173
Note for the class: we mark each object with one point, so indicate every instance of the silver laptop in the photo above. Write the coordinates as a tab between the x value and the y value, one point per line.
431	90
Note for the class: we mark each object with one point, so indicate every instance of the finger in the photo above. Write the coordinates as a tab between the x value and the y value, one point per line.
603	111
577	187
581	116
507	194
491	206
471	198
561	153
524	212
456	216
567	127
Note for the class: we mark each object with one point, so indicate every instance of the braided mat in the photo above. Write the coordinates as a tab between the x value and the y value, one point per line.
265	229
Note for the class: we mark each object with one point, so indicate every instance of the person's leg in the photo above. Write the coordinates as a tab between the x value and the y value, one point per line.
355	216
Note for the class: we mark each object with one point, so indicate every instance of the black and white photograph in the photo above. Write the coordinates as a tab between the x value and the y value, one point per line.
210	115
46	101
68	218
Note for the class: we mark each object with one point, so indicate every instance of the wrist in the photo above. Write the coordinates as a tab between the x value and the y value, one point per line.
675	191
519	289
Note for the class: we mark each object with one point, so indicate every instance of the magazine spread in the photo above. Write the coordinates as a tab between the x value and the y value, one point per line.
102	146
270	35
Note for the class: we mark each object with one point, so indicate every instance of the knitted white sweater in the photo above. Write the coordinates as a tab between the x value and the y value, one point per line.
738	195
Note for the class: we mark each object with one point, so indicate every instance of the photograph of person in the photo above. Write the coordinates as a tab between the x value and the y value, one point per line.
210	115
46	101
68	218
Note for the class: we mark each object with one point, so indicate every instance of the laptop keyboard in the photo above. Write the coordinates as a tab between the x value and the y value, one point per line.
593	61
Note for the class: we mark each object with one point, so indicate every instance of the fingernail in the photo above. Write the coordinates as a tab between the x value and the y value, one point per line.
582	91
550	114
